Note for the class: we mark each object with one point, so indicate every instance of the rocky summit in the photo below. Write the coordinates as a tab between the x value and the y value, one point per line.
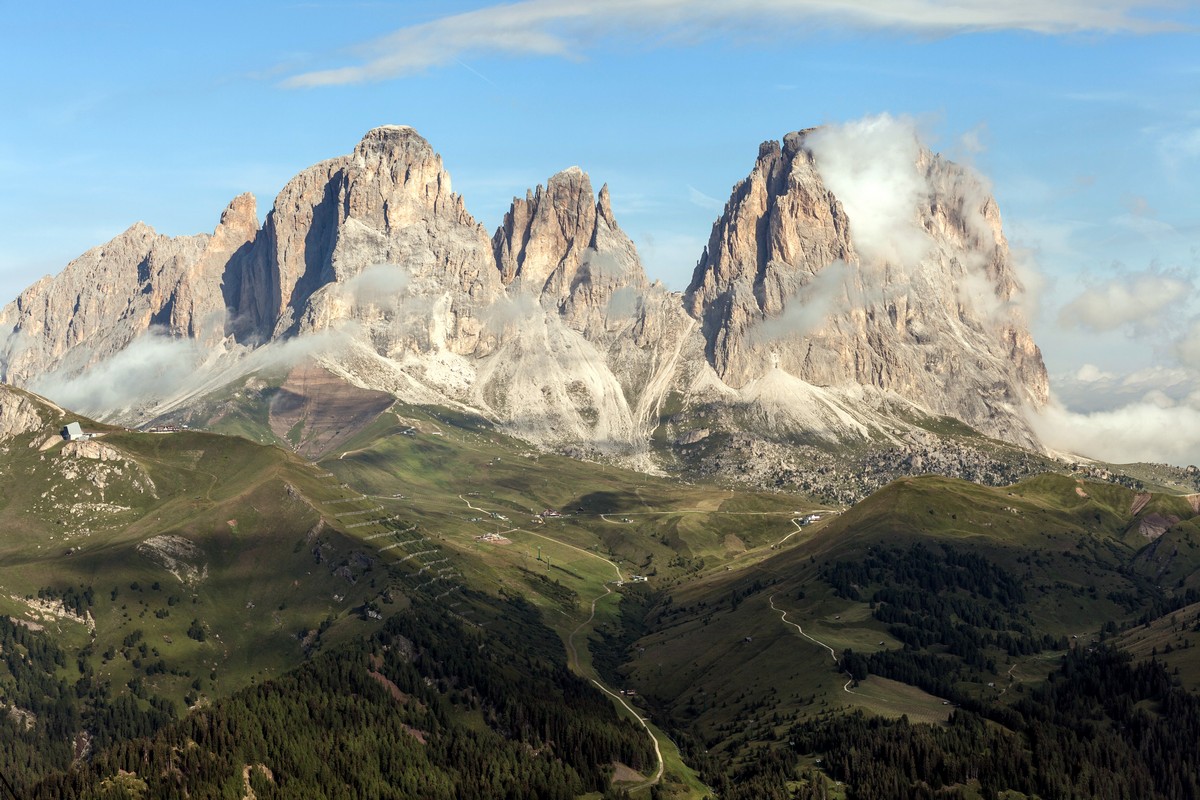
802	323
782	288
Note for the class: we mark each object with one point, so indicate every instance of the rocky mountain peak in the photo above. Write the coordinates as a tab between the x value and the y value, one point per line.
138	231
388	202
241	214
802	317
545	235
389	137
912	300
562	243
604	206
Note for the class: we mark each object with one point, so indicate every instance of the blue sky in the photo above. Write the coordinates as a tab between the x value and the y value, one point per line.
1085	116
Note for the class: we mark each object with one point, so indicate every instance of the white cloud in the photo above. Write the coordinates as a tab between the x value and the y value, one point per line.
1154	428
515	309
871	166
808	307
1187	347
1091	388
380	285
1180	146
1134	299
1034	281
699	198
566	28
152	366
1090	373
973	140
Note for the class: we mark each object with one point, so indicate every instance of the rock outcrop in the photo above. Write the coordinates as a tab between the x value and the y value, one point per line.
387	203
18	414
113	293
562	245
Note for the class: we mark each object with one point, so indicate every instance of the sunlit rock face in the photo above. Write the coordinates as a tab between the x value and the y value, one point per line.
800	320
925	311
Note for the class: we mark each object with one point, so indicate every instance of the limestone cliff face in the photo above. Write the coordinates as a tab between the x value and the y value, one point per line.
562	245
113	293
387	203
370	264
593	347
18	414
782	285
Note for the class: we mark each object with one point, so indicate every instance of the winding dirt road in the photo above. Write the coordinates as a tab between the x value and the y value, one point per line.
573	651
832	653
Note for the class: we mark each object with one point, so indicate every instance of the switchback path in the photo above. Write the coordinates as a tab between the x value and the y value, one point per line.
832	654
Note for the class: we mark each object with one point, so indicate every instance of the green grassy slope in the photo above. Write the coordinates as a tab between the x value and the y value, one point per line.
162	534
722	661
194	565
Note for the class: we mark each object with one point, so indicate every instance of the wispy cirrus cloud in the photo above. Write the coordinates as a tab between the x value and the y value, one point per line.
567	28
699	198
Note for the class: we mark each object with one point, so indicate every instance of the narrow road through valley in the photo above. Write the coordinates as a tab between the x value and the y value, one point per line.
658	773
573	651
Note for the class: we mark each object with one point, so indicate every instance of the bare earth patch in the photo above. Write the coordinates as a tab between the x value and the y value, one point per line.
626	774
321	410
246	770
1153	526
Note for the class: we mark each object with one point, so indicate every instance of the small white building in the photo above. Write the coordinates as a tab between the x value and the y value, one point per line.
73	433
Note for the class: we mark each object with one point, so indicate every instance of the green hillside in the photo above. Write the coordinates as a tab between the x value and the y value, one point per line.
931	595
715	640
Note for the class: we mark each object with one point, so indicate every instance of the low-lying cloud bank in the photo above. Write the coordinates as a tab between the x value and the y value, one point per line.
1153	412
1155	429
151	366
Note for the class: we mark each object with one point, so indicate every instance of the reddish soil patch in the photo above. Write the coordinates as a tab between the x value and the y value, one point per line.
1139	502
393	689
329	409
399	697
1153	526
416	734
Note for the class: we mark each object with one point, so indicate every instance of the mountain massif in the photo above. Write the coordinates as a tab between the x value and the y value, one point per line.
801	325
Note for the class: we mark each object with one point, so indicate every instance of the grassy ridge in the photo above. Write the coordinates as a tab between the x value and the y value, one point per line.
191	529
721	661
